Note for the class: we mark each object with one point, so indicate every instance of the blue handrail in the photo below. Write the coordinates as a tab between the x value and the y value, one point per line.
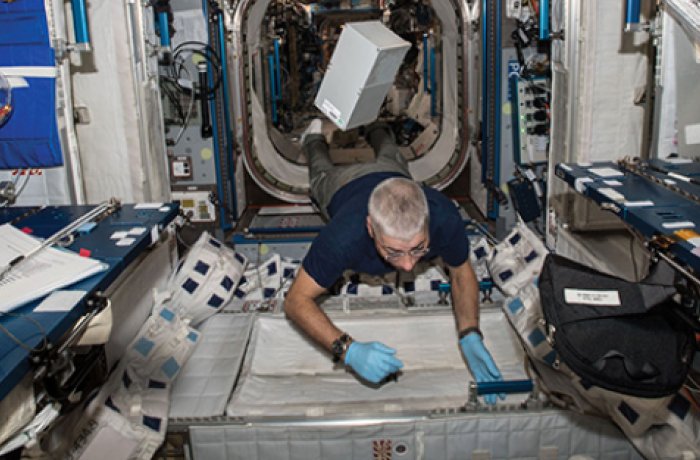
544	20
632	15
227	112
164	30
278	77
425	62
273	92
433	84
504	386
80	22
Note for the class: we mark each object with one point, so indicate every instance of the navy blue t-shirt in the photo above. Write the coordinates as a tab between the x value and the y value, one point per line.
344	243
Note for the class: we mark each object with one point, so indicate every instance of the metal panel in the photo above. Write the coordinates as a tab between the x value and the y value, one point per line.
687	72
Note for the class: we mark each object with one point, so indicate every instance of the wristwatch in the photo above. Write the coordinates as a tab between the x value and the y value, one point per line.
465	332
340	346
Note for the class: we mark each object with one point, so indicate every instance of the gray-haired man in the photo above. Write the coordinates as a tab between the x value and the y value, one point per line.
379	221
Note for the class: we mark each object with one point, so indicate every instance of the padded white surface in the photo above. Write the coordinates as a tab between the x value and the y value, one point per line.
537	435
206	380
285	374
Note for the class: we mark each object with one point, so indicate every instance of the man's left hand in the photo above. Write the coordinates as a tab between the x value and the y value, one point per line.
480	362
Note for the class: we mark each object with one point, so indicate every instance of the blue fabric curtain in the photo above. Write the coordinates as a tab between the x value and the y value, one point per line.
29	138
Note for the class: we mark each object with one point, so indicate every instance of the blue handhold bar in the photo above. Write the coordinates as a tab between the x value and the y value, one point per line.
504	386
278	78
164	29
485	285
433	83
273	93
544	20
425	62
632	15
80	22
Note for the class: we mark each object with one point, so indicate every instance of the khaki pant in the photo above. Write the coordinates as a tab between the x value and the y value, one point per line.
326	179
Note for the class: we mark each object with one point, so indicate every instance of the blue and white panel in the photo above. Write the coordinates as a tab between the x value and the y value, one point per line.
271	279
207	279
29	137
517	260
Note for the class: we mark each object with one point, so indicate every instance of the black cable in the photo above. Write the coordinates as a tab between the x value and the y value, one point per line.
210	92
199	44
203	50
197	47
44	339
173	98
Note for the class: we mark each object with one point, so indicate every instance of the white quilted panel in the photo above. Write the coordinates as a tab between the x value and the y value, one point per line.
206	380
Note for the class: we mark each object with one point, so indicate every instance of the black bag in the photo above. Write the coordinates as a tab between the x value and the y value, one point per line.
618	335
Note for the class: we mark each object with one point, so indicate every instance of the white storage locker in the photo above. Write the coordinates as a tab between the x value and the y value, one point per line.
362	69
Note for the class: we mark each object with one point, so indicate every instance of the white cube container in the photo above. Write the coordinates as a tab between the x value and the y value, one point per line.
362	69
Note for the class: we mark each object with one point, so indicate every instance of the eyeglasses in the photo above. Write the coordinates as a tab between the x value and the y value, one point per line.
396	255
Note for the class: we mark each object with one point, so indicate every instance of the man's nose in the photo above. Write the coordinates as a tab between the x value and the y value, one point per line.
406	263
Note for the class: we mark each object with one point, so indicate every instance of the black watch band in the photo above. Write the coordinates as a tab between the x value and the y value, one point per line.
466	331
340	346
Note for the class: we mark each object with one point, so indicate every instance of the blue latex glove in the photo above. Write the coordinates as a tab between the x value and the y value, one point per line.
480	362
373	361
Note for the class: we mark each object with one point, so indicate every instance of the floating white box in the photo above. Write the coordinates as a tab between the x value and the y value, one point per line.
360	74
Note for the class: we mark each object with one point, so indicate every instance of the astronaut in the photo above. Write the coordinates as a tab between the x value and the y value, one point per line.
380	220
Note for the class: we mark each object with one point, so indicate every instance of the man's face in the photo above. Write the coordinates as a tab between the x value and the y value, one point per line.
401	254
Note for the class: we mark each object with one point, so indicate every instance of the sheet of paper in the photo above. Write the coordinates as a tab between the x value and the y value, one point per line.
136	231
59	301
148	205
606	172
613	183
44	272
684	224
638	204
678	161
125	242
118	235
612	194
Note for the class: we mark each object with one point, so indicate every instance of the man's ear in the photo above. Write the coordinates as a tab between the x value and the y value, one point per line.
369	228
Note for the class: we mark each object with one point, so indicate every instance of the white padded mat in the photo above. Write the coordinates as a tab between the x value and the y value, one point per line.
285	374
206	380
536	435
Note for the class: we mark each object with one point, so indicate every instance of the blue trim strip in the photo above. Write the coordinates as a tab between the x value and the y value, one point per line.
164	30
632	12
505	386
485	286
425	62
273	94
515	116
80	21
433	84
544	20
497	116
278	76
227	114
215	135
484	86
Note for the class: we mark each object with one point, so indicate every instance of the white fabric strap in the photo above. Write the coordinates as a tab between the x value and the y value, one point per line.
32	72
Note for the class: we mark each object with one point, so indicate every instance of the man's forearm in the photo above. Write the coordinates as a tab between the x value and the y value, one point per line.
465	296
312	320
300	305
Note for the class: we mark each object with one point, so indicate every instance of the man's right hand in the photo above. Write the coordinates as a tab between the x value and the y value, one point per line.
373	361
